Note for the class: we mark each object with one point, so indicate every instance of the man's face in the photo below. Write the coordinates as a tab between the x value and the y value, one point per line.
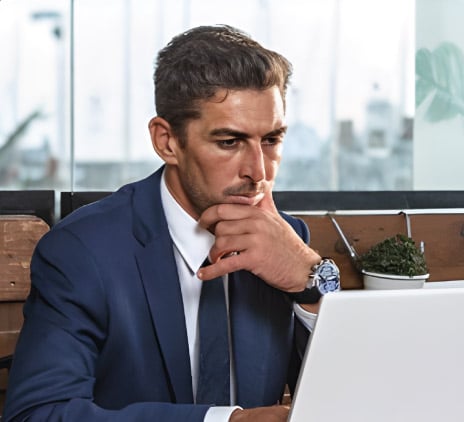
232	151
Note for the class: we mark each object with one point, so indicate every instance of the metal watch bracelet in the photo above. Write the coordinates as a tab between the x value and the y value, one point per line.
324	278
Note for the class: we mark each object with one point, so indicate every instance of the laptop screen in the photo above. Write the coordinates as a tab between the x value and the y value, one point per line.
392	355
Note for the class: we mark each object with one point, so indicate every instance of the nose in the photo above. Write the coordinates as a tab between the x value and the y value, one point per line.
253	164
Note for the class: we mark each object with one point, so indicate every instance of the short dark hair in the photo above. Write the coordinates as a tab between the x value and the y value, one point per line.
199	62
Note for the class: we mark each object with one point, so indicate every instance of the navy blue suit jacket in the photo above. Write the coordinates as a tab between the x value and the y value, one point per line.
104	337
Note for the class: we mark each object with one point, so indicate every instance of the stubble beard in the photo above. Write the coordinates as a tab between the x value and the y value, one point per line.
200	200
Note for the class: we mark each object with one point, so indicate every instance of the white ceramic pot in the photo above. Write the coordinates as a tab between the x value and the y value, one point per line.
376	281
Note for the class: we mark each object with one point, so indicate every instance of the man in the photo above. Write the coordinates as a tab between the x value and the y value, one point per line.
111	330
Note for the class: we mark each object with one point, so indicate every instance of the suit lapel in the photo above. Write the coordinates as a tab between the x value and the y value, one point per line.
157	266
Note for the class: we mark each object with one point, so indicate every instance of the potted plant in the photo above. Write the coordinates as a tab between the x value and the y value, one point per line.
394	263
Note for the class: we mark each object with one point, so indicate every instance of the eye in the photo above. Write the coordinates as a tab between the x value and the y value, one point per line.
228	143
272	140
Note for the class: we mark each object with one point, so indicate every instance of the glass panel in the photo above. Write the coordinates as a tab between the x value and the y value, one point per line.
350	106
114	91
439	119
33	142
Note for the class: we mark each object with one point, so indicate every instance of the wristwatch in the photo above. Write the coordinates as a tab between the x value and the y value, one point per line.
324	278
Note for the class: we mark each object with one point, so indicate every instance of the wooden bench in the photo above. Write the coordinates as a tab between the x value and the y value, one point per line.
18	237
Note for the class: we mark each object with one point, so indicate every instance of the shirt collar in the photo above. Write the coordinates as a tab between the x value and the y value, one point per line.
192	241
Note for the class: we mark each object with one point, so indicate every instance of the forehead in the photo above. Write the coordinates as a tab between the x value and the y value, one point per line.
244	106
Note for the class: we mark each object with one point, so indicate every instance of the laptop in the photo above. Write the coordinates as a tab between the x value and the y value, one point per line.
385	356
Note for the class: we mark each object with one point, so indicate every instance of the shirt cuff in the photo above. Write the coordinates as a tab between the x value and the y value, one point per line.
219	413
308	319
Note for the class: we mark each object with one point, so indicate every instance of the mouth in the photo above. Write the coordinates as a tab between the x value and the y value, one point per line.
251	198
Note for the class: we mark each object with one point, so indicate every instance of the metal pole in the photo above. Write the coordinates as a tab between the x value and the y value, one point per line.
71	94
333	99
127	17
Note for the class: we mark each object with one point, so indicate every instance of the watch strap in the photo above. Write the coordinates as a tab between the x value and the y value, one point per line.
308	295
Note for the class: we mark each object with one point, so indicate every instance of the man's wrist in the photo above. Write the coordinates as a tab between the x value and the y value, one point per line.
308	295
323	278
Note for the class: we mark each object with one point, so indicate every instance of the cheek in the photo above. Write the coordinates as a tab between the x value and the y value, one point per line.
212	172
271	170
222	175
272	165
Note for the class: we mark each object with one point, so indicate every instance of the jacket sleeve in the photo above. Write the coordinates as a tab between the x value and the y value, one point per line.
301	334
85	410
53	373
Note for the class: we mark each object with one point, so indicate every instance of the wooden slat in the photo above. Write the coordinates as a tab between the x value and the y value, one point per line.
3	385
11	321
18	237
443	236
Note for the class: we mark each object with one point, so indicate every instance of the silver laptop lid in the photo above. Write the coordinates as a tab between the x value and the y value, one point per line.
392	356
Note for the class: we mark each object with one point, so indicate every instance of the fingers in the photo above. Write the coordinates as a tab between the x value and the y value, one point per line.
267	245
225	246
235	227
224	212
220	267
234	212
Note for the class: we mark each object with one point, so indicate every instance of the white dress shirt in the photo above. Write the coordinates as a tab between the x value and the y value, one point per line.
191	246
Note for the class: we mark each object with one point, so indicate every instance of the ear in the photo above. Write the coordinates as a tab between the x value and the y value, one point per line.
162	139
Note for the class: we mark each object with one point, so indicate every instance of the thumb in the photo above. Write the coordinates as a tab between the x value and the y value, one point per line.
267	203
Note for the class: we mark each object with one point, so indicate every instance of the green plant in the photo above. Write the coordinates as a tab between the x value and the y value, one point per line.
440	77
396	255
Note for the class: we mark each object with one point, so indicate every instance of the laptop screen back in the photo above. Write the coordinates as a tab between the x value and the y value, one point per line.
395	356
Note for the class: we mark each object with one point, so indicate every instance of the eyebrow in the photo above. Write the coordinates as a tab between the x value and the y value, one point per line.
243	135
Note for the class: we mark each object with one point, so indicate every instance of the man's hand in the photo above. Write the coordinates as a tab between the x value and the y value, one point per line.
259	240
261	414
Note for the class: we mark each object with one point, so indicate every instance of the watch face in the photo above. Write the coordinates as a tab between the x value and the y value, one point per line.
327	277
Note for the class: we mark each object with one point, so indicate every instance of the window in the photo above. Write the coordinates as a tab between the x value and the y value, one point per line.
350	106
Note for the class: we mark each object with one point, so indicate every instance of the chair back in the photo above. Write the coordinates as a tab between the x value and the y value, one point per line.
18	236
